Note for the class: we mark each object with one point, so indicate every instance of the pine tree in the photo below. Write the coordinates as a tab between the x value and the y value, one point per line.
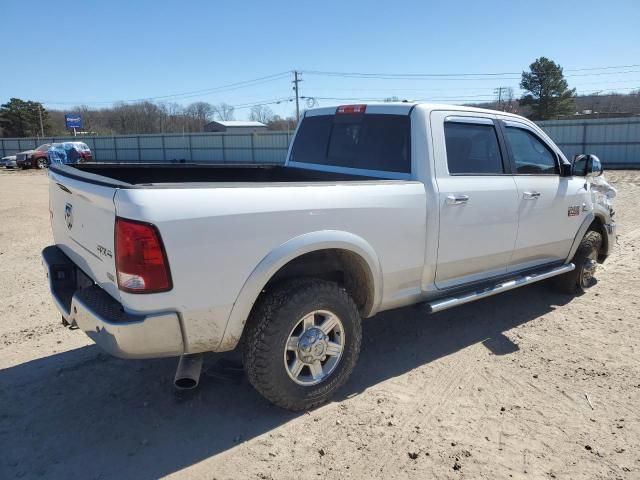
549	94
19	118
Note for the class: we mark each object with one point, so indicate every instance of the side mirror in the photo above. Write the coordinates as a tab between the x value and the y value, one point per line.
594	167
586	166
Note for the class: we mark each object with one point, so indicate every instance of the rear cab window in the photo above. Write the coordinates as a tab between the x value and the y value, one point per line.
370	142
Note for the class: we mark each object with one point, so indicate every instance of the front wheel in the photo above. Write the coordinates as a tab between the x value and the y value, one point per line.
42	163
586	262
302	343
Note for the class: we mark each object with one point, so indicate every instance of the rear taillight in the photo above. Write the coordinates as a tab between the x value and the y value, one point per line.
351	109
141	261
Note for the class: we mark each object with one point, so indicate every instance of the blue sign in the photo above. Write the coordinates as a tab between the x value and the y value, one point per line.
73	120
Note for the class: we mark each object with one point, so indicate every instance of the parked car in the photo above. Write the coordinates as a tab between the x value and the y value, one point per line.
378	206
8	161
69	153
33	158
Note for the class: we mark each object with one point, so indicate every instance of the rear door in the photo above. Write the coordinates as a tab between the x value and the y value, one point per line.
478	208
550	207
83	220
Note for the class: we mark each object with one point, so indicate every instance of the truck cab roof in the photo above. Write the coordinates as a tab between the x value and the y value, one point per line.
399	108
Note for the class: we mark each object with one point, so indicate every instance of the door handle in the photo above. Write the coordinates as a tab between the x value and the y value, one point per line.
531	195
457	199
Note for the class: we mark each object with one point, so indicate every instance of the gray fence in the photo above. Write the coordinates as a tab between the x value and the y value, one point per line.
265	148
615	140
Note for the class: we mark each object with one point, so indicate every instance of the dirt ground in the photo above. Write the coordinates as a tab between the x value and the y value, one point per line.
527	384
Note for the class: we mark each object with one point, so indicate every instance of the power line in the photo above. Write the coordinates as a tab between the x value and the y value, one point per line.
260	103
193	93
601	68
462	98
452	90
432	99
462	74
462	77
231	86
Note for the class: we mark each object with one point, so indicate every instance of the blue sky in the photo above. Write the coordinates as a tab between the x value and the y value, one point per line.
66	53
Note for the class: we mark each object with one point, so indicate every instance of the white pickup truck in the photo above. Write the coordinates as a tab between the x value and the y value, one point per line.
378	206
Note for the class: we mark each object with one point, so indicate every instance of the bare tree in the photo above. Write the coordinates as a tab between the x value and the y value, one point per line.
282	124
172	118
223	111
200	111
149	117
141	117
261	113
508	99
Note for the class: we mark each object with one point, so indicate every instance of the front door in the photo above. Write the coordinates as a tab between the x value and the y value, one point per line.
478	203
550	207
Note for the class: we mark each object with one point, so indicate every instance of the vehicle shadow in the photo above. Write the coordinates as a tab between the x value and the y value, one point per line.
84	414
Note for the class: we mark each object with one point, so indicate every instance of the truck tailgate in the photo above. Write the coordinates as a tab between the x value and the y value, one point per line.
82	220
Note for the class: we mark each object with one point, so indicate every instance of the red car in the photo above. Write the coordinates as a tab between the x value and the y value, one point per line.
39	158
33	158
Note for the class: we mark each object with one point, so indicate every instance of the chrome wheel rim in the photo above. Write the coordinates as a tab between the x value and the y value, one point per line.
589	270
314	347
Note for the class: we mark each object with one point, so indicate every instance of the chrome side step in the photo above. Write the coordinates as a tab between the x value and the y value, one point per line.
466	297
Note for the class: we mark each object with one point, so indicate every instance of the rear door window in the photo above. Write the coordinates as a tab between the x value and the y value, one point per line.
472	149
363	141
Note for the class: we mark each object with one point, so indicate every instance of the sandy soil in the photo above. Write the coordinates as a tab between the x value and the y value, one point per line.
529	384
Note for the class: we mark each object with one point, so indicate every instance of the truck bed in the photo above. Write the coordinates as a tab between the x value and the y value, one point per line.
153	174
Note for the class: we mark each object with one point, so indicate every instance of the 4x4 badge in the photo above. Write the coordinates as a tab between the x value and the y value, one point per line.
68	215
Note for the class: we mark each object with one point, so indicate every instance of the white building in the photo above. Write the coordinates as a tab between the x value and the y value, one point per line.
235	126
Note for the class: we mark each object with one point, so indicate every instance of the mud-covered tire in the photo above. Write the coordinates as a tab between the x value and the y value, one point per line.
585	260
269	327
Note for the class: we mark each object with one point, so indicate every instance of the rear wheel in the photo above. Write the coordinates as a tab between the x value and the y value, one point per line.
302	343
586	262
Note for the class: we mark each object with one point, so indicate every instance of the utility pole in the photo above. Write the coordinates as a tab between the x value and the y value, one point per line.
505	98
594	100
296	88
41	125
498	91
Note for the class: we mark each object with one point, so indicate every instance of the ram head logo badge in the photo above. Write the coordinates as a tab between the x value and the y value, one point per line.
68	215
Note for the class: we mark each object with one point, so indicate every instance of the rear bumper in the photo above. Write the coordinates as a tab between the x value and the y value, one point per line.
104	319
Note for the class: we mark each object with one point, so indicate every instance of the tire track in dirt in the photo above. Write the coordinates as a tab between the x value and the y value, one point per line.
425	400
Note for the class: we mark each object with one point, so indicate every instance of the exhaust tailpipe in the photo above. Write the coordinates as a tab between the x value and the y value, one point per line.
188	372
